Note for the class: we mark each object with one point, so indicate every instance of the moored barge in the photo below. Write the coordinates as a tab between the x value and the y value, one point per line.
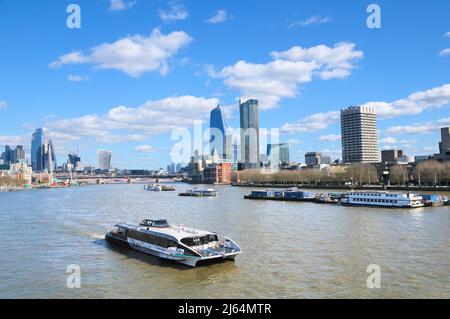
290	194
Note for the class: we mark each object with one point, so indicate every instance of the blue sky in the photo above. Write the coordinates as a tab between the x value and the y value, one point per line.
137	70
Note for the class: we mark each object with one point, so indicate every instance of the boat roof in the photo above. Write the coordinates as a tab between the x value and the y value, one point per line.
172	231
382	192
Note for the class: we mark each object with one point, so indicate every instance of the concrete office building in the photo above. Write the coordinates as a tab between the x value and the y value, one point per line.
359	135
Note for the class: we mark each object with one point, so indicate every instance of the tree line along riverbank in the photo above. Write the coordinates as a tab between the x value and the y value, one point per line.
427	175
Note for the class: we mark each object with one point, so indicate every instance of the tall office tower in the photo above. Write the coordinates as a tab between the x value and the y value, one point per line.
359	135
104	159
220	137
278	154
249	119
8	155
19	154
48	158
36	150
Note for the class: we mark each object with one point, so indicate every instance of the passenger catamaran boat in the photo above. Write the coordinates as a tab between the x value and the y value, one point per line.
382	199
196	192
184	245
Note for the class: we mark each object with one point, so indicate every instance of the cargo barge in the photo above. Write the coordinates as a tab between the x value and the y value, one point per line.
290	194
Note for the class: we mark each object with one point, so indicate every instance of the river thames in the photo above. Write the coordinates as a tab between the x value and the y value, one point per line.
291	249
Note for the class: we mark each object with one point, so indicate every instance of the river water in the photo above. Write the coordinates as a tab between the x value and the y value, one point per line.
291	250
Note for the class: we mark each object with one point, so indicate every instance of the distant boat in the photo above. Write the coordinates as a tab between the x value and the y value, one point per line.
382	199
326	199
184	245
159	188
196	192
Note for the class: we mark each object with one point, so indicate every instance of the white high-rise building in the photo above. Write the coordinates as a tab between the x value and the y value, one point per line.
359	135
104	159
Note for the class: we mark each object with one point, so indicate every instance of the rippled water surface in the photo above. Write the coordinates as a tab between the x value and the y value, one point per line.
291	250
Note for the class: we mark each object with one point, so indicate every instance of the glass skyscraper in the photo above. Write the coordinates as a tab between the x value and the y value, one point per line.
220	138
278	154
249	120
36	150
104	159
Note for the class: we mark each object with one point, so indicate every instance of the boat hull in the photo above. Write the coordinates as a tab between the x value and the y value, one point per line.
283	199
190	261
380	206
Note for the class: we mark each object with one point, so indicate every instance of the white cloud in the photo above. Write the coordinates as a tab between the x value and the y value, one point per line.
289	69
77	78
14	140
330	138
3	104
123	124
314	20
119	5
144	149
445	52
294	142
419	128
220	17
415	103
312	123
132	55
176	12
447	34
388	140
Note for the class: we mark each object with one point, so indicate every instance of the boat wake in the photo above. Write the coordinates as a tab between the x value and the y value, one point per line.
97	236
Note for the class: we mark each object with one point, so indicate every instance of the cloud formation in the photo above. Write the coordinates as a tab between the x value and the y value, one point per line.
144	149
330	138
3	104
119	5
445	52
312	123
282	77
77	78
133	55
413	104
220	17
175	12
125	124
314	20
419	128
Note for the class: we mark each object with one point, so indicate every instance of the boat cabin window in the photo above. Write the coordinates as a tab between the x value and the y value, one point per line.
199	240
154	223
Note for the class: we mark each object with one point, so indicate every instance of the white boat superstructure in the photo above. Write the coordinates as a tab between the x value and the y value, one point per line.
153	187
198	192
382	199
181	244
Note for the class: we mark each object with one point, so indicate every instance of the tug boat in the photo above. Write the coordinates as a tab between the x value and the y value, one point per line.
382	199
196	192
326	199
183	245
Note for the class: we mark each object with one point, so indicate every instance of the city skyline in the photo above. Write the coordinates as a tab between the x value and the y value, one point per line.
301	73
